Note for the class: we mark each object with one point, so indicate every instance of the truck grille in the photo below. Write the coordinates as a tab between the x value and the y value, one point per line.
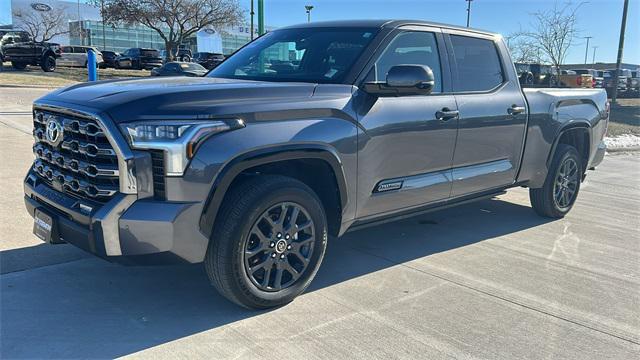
73	155
157	158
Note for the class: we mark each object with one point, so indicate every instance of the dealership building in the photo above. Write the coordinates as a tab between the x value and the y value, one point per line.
86	28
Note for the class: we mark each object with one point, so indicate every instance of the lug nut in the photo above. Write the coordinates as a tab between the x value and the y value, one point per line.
288	247
273	255
279	235
287	236
272	244
281	256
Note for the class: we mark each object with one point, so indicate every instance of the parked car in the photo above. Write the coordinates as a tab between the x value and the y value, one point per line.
11	37
183	55
525	75
252	170
622	79
208	60
139	58
41	54
544	75
109	58
570	78
77	56
598	78
176	68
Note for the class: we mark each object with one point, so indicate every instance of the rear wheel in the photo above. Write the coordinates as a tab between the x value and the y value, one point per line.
268	243
18	65
48	63
560	190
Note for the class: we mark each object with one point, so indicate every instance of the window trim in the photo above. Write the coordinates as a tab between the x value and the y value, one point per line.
390	36
506	78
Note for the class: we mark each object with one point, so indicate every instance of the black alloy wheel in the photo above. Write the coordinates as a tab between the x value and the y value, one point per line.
565	187
279	247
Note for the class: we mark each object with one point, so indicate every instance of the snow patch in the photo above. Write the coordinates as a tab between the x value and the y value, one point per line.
622	141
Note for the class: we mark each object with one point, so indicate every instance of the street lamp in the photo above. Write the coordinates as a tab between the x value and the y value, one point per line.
586	50
468	10
308	8
593	59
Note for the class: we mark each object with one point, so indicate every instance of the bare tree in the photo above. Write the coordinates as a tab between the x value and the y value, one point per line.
173	20
42	26
524	50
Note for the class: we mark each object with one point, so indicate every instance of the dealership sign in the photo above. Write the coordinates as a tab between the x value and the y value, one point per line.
40	7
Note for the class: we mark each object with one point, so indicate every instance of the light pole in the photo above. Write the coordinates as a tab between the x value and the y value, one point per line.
80	26
623	27
308	8
593	59
104	40
586	50
252	13
468	10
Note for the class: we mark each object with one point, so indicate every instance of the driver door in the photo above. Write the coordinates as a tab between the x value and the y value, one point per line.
406	149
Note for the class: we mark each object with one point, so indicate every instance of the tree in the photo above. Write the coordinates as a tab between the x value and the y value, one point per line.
524	50
554	32
42	26
173	20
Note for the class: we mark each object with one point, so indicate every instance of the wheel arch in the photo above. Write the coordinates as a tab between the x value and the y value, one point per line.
576	134
271	158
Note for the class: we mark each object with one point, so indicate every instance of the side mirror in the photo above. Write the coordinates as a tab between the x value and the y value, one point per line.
404	80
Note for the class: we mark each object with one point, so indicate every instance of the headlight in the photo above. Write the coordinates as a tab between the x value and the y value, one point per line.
178	139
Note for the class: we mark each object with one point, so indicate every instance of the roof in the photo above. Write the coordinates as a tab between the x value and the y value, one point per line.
383	23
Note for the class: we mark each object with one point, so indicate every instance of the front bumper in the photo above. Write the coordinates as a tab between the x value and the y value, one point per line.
125	229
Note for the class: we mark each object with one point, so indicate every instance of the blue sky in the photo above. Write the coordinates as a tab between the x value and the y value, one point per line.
597	18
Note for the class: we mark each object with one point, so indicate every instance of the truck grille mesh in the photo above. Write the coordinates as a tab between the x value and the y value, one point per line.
82	163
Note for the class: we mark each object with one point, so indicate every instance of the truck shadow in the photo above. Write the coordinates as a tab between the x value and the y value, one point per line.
94	309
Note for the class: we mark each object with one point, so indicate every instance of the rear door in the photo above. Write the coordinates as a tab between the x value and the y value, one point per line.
492	112
405	152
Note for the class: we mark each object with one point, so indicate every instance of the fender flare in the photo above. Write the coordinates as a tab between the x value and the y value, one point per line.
578	124
228	173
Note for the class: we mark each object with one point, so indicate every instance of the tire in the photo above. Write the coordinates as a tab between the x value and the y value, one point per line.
18	65
48	63
236	245
564	177
186	58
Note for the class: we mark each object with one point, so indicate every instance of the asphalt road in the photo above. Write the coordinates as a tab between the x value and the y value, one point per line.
485	280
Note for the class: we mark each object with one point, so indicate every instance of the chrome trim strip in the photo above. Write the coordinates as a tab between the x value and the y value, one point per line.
467	172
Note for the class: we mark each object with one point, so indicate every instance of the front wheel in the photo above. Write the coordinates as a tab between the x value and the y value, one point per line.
560	190
48	64
268	242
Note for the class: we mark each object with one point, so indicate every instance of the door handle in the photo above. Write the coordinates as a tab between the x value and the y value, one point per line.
515	109
445	114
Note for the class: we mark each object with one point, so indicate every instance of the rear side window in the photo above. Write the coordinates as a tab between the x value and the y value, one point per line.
478	64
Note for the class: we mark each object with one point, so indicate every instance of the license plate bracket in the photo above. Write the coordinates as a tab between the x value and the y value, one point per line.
44	226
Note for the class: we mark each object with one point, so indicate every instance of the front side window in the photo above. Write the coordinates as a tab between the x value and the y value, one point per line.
318	55
478	64
409	48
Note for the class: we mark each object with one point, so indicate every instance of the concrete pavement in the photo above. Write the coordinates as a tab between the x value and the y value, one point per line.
486	280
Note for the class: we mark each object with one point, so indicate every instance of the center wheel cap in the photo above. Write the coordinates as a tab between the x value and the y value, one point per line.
281	246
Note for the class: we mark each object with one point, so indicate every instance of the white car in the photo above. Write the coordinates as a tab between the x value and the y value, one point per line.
77	56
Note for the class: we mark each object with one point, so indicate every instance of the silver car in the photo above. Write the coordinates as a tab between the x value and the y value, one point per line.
77	56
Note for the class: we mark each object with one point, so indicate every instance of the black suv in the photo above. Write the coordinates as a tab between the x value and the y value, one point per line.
109	58
208	60
139	58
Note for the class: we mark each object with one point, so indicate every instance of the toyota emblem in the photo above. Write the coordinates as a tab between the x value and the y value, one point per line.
54	132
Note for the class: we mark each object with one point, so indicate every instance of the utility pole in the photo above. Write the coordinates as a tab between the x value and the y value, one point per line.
252	13
468	10
260	17
80	26
308	8
587	49
593	59
623	27
104	40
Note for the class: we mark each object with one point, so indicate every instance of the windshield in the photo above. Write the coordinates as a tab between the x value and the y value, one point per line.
319	55
192	67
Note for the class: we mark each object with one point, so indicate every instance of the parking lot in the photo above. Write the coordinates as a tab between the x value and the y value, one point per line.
486	280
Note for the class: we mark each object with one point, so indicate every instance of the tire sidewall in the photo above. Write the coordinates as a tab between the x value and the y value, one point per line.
312	205
564	153
49	64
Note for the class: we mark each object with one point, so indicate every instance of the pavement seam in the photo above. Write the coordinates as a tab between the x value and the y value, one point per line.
44	266
14	128
514	302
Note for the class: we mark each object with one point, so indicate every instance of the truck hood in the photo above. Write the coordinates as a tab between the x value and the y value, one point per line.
184	97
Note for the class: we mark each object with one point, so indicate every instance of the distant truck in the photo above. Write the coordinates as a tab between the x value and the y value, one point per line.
255	167
41	54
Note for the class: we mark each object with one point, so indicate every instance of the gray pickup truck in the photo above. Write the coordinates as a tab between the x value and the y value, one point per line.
303	134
